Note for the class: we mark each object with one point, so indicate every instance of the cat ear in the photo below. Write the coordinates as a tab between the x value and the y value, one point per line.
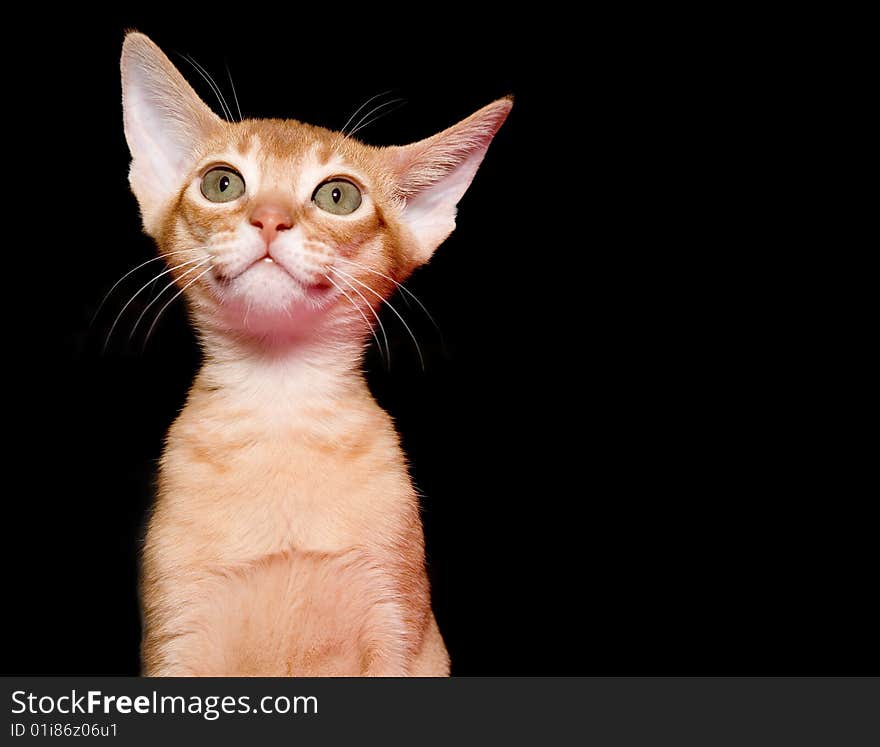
433	174
165	121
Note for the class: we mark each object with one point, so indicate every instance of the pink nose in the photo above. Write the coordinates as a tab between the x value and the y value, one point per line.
270	219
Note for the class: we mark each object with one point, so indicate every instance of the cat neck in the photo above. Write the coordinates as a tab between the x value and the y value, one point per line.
282	376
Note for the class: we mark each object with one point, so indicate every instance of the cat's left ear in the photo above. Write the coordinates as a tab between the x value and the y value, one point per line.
165	123
433	174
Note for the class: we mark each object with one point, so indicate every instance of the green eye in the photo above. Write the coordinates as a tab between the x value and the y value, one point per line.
338	197
222	185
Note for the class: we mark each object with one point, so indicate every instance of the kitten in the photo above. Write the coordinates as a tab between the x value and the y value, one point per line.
286	537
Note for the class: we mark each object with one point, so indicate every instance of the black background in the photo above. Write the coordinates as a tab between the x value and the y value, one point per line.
622	442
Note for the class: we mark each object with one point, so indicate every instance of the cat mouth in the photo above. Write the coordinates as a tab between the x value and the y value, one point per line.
270	264
264	261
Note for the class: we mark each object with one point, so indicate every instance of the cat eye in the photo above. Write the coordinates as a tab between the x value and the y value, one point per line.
222	184
337	196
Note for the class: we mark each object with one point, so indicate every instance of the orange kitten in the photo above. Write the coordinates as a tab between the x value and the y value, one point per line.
286	537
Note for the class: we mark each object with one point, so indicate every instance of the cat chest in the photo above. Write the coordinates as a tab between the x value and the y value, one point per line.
257	497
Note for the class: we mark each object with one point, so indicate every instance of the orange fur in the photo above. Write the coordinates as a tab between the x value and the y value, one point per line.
286	537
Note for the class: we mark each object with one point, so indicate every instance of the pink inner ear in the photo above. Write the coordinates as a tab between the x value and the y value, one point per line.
164	121
423	164
434	174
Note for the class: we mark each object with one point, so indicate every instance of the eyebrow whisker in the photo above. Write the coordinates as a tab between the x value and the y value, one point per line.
361	125
234	94
357	111
227	112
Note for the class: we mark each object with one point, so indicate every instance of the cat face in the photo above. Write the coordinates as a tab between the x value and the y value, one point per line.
273	224
281	212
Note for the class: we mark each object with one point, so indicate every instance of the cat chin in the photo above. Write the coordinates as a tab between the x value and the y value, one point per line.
267	286
266	299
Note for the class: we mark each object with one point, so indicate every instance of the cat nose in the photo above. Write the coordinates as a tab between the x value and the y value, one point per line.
270	219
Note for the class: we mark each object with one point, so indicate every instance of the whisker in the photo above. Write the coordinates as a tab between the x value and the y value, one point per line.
396	313
138	292
399	102
173	298
372	111
357	111
361	107
234	94
210	81
118	282
399	285
372	311
359	310
161	292
216	86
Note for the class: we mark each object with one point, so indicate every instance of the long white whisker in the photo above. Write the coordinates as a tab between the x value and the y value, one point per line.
234	94
370	121
161	292
141	290
171	300
372	111
396	313
361	108
359	310
357	111
142	264
372	311
399	285
214	87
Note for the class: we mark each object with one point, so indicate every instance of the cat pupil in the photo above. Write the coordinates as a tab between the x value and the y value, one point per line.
224	183
336	194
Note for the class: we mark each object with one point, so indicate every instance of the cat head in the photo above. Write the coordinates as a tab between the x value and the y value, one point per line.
272	224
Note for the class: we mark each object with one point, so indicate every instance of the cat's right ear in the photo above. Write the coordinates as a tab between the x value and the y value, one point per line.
165	121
